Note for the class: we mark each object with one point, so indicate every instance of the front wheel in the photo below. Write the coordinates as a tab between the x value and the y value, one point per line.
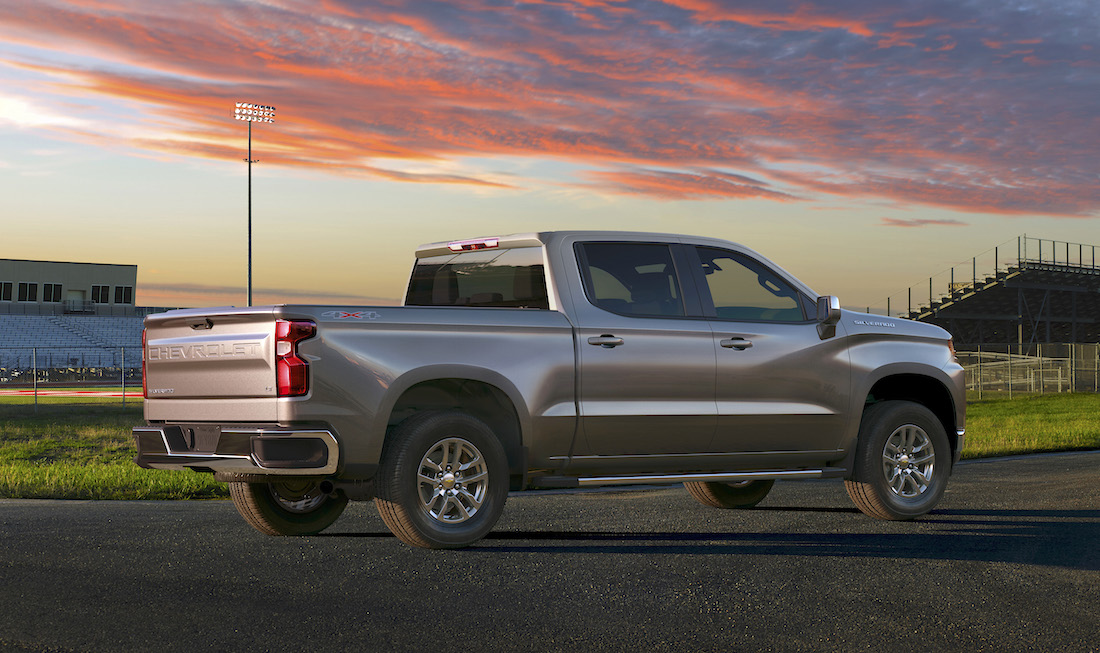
293	507
443	480
903	461
743	494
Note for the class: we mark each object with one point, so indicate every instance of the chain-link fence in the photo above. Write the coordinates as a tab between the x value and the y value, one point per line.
103	375
34	376
1011	370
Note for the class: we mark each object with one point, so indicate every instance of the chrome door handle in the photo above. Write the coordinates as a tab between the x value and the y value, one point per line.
739	344
605	340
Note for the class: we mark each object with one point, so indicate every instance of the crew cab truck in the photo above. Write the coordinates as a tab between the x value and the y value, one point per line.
557	359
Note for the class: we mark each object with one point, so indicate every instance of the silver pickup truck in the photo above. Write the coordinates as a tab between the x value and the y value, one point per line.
558	359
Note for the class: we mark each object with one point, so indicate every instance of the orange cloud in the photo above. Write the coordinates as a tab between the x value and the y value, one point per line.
661	184
804	17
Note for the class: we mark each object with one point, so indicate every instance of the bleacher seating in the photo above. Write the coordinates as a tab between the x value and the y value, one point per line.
53	341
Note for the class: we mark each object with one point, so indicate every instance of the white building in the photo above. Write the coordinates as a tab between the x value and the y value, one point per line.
51	288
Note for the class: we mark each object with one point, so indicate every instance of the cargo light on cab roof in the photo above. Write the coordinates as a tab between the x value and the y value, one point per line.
470	245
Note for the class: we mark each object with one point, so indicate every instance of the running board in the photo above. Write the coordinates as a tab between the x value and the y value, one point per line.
656	479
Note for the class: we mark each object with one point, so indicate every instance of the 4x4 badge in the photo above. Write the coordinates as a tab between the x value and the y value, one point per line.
352	315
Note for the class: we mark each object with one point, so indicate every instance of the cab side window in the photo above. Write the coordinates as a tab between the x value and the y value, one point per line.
631	278
743	289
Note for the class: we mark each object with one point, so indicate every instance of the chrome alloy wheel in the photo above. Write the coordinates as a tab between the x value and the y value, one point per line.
452	481
908	461
298	496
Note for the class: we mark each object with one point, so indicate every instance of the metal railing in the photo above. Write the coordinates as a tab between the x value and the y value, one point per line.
1012	370
990	266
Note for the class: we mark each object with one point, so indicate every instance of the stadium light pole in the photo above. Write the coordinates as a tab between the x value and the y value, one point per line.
250	113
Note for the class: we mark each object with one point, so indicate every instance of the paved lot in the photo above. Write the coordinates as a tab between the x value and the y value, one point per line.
1010	562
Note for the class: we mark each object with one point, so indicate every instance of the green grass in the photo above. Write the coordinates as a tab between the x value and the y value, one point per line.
66	452
1038	423
86	452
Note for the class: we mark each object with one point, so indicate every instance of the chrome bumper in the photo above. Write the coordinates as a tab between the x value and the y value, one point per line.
237	450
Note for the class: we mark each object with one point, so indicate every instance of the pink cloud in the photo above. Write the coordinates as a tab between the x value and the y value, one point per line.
899	222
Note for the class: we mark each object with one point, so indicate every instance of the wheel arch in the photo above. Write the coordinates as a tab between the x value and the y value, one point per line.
921	389
482	394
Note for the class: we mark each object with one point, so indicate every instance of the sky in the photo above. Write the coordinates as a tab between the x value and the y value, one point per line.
863	145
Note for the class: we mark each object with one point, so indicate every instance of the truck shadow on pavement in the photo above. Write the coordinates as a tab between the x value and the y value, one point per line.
1055	538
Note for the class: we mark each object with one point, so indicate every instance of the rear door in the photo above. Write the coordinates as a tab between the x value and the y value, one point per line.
646	366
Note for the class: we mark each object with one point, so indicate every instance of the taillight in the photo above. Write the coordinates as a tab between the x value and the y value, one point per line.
144	385
291	372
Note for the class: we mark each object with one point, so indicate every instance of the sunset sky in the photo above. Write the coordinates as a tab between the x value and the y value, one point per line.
864	145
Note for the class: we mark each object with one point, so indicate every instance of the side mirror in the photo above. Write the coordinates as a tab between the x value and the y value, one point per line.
828	314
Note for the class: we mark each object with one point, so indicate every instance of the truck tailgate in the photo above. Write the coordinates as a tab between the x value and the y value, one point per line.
212	354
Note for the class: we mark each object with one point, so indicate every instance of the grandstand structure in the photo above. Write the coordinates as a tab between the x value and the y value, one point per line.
61	319
1025	316
1024	293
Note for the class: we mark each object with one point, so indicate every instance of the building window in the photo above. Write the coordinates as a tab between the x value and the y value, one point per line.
101	294
28	292
124	294
51	292
5	291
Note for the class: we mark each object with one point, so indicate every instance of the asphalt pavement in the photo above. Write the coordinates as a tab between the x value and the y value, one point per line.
1010	561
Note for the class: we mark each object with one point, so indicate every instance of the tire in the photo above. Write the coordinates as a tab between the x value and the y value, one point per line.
443	480
292	507
744	494
902	463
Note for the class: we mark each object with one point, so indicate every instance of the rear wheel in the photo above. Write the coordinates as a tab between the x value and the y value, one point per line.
443	480
743	494
293	507
903	461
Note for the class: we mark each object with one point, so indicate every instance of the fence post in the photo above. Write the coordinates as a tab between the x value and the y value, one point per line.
1042	379
123	377
1010	371
1072	367
34	374
979	379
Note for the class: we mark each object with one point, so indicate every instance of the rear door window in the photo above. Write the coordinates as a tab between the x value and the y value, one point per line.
637	279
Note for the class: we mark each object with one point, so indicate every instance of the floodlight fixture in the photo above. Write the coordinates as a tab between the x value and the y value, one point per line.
251	112
254	112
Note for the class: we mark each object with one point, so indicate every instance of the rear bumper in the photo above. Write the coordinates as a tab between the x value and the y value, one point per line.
287	452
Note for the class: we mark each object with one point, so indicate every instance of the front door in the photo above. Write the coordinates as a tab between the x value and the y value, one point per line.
780	386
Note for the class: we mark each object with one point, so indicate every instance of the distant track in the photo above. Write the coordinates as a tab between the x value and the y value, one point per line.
67	393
